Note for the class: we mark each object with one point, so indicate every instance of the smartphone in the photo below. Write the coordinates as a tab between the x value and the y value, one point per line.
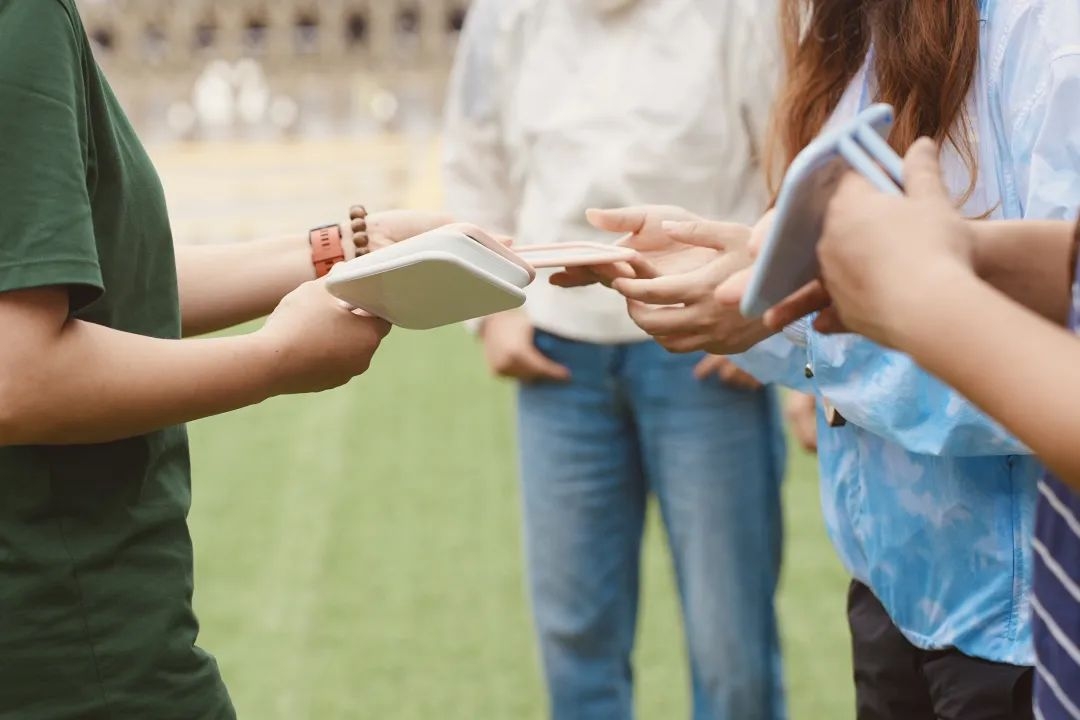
788	258
574	254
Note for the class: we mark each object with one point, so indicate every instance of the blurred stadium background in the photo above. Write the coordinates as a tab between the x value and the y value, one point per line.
357	554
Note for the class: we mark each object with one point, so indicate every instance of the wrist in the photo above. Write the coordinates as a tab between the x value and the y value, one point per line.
923	311
265	364
755	333
327	248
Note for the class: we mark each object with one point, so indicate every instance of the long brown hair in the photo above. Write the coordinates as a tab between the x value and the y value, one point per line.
925	56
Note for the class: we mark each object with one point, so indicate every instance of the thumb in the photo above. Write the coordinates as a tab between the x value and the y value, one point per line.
922	171
541	367
705	233
474	231
829	322
804	301
760	232
624	220
730	293
708	366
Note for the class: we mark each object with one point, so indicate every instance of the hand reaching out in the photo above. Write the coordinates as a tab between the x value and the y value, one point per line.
680	309
728	372
644	232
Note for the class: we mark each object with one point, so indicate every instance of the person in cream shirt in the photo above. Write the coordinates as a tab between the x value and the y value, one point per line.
556	107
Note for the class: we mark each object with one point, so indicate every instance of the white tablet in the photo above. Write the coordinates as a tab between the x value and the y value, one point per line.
788	258
439	278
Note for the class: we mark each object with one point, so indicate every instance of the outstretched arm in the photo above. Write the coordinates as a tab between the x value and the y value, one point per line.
228	284
1020	368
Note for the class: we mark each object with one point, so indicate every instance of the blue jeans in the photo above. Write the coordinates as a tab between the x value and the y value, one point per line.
634	421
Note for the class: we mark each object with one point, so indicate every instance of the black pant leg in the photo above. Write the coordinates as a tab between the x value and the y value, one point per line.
967	688
889	683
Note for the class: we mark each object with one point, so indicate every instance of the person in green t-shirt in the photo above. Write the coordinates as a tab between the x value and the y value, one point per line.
96	618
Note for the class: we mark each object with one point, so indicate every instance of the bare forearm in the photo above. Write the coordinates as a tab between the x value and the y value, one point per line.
97	385
1018	367
1029	261
225	285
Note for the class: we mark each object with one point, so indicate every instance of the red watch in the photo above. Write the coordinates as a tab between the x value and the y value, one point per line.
327	249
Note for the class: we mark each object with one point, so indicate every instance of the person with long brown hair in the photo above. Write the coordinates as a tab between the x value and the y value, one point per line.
929	502
910	273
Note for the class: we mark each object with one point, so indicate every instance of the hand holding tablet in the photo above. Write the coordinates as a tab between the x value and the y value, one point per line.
453	274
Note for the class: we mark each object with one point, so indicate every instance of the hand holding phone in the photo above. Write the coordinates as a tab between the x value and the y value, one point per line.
788	258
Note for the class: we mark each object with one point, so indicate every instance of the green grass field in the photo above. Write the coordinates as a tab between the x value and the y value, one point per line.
358	556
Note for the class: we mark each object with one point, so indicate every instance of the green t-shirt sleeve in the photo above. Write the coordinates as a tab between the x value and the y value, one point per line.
46	224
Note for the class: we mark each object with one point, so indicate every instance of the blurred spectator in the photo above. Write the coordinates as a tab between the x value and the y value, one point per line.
563	105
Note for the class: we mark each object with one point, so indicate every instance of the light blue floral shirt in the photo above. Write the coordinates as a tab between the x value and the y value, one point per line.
929	502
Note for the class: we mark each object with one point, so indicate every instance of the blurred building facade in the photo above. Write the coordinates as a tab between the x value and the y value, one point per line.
257	68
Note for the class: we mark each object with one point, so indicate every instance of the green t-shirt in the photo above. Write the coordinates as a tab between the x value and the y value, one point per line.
95	557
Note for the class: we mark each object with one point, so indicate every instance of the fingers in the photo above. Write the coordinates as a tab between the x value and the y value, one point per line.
624	220
541	367
706	233
574	277
709	365
688	343
922	171
853	189
664	321
666	290
736	377
809	299
760	232
642	269
530	365
474	231
731	291
728	372
830	323
382	327
593	274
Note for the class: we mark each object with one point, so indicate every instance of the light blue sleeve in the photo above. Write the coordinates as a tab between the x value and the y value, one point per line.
777	361
1040	103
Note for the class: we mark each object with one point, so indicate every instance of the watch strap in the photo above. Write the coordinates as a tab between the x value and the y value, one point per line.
327	249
